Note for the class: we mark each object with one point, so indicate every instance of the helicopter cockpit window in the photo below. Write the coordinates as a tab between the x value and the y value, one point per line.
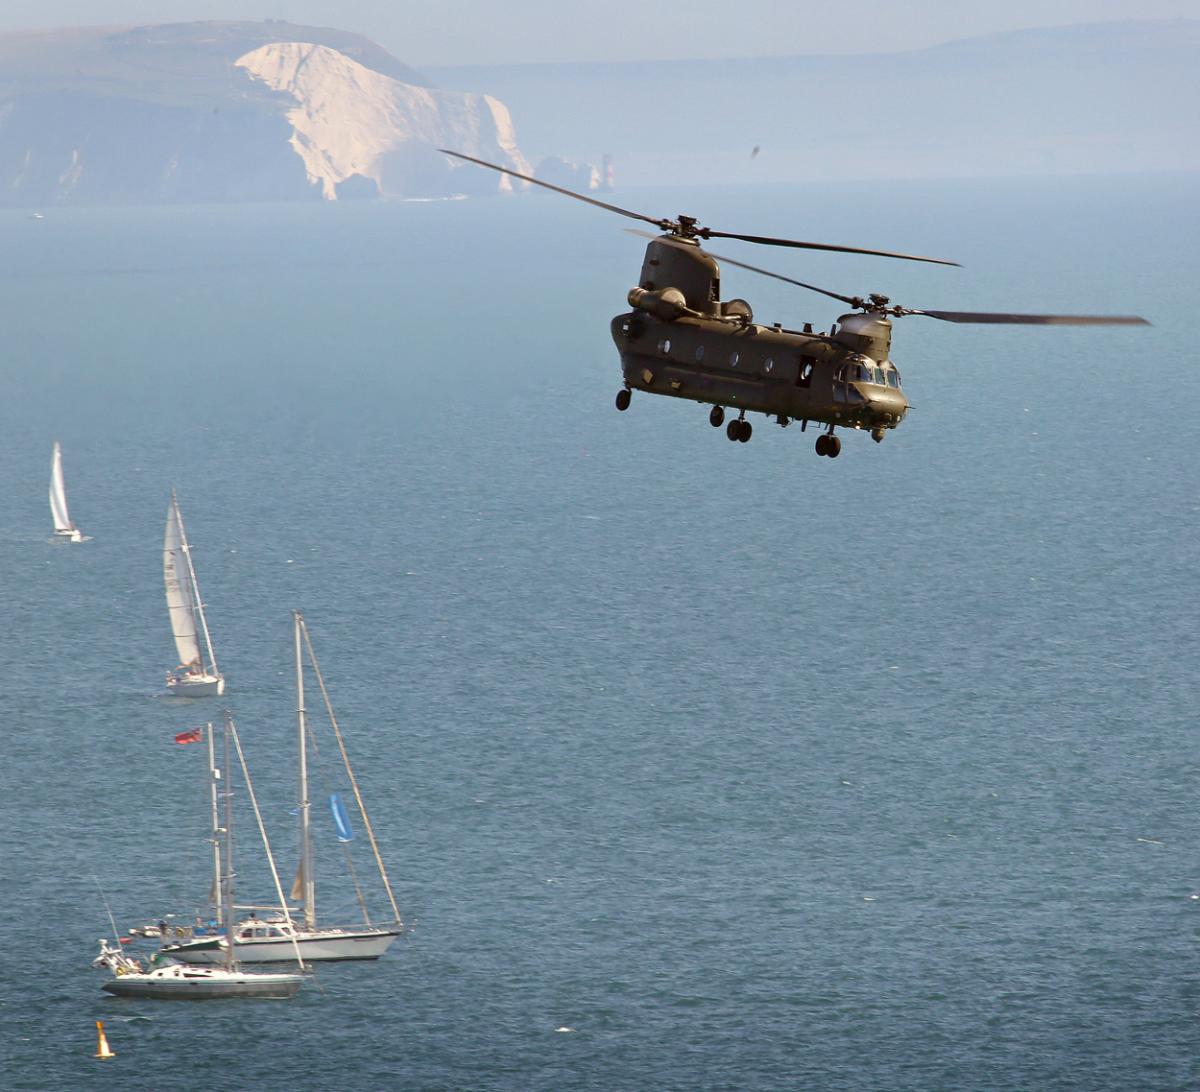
893	378
856	371
879	377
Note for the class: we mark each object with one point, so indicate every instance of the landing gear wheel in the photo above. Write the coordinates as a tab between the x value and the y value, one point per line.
745	431
716	417
823	444
623	397
734	429
834	449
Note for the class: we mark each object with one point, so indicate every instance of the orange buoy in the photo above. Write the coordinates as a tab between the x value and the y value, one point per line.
102	1050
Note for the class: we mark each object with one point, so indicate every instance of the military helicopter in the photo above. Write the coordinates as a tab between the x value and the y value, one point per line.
682	340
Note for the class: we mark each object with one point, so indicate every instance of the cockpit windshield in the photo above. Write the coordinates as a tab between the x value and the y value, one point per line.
859	370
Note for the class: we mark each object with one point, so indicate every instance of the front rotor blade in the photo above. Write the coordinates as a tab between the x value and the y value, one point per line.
1033	320
685	226
558	189
852	301
705	233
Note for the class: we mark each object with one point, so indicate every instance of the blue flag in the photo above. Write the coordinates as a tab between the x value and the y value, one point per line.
340	819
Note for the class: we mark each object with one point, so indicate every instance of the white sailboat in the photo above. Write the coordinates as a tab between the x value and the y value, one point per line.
64	527
181	982
172	981
195	677
274	937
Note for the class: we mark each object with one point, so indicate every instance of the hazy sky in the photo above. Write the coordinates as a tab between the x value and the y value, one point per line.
486	31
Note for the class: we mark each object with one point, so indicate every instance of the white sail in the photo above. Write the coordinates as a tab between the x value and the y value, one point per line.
58	494
181	604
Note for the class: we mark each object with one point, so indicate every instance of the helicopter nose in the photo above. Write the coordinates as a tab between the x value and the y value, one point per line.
888	407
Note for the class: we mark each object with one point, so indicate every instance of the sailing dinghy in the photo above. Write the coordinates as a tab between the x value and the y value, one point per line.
64	527
196	676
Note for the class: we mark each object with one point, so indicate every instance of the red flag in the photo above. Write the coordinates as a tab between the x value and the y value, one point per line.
194	736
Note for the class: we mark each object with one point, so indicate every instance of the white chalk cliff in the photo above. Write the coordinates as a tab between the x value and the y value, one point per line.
352	123
232	111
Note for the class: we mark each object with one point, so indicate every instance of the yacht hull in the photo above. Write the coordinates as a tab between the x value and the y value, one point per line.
206	687
323	946
193	985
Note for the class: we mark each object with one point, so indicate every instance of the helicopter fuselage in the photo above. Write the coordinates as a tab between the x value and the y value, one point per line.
749	368
681	340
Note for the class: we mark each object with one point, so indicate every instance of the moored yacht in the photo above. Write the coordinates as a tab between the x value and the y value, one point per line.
171	981
277	938
272	939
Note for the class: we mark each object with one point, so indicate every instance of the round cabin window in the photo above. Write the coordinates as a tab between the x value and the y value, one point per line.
769	364
664	346
733	359
699	352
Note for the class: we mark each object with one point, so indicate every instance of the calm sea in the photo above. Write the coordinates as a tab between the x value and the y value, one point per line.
697	765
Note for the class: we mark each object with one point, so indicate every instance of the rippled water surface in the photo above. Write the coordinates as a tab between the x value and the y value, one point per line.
696	764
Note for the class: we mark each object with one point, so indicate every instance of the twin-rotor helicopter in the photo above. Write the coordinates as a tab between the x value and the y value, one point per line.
682	340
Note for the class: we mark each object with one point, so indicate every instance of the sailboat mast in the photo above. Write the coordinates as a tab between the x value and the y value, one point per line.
186	550
306	861
216	827
362	807
227	886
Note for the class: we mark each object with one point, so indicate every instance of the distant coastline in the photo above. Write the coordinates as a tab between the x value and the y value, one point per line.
1028	102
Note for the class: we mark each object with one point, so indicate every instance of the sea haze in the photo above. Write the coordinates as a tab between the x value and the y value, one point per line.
750	768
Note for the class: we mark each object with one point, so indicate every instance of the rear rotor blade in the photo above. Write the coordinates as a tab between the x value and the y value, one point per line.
853	301
1032	320
765	240
664	224
878	304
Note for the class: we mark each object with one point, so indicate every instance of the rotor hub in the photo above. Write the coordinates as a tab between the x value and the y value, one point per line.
684	228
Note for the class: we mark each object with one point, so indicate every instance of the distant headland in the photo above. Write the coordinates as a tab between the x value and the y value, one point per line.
232	111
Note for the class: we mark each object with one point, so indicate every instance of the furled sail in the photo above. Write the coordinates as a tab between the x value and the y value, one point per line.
297	892
58	492
180	604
